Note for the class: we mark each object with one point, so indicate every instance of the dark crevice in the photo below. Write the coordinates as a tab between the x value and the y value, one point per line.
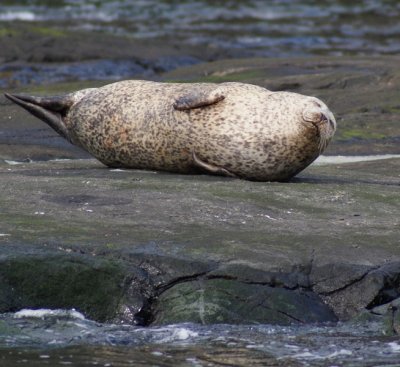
290	316
272	283
223	277
310	264
184	279
389	291
145	316
391	286
386	295
261	304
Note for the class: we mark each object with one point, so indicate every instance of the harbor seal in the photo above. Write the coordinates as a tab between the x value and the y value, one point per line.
232	129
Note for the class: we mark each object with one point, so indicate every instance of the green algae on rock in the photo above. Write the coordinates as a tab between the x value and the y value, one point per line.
93	286
214	301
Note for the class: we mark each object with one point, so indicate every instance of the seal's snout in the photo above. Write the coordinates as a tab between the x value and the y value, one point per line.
319	115
329	120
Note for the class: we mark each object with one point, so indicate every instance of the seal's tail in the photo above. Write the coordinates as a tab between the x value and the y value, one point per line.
49	109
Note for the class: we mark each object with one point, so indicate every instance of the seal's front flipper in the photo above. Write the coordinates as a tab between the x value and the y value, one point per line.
51	110
197	99
215	170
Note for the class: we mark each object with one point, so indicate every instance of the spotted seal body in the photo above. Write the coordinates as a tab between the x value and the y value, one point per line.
232	129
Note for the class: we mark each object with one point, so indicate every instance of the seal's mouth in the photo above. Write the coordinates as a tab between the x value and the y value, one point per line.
323	120
326	128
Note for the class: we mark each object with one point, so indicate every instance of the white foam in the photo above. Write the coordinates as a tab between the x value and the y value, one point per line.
17	15
394	347
175	333
293	347
341	352
252	346
44	312
314	356
13	163
303	355
183	334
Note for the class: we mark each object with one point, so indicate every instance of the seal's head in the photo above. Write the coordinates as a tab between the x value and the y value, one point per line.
321	118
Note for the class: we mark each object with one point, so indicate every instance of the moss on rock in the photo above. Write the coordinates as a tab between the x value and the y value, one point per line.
94	287
213	301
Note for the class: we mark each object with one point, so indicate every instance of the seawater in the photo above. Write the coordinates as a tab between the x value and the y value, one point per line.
233	28
66	337
253	27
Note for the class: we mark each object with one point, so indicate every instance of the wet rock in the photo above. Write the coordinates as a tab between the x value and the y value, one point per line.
373	286
40	53
213	301
25	74
144	247
45	43
97	287
386	316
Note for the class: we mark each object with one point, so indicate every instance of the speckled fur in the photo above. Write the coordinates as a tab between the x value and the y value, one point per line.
253	133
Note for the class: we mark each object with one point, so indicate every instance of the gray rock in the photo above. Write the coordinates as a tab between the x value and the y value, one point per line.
125	245
213	301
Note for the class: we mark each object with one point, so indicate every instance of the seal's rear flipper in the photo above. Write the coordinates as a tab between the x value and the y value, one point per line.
197	99
210	168
51	110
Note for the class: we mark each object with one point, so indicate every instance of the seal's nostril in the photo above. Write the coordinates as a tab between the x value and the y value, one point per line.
312	115
332	125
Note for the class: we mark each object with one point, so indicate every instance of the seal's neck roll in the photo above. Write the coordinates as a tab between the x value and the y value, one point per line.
51	110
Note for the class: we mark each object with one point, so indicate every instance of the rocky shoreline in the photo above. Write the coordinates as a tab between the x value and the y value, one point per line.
154	248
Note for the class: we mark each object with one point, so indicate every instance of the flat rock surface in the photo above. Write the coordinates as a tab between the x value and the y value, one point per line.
333	230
